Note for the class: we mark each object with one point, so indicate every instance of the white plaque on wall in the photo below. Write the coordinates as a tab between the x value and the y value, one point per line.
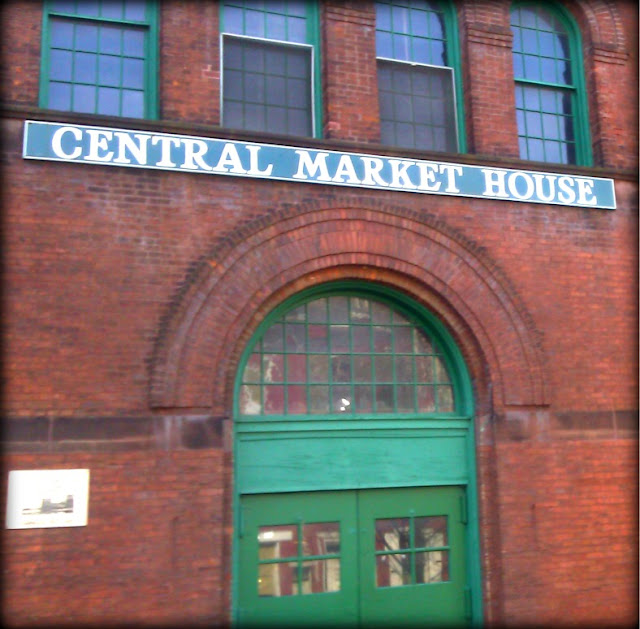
47	498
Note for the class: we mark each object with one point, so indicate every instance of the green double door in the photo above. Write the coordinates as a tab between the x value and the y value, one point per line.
360	558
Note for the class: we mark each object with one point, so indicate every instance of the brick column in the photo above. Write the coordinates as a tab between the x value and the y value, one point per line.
486	40
350	88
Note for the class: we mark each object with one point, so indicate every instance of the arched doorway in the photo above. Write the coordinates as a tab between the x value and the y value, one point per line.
355	466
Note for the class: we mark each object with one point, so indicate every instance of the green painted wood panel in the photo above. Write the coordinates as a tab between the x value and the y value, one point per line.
350	459
377	535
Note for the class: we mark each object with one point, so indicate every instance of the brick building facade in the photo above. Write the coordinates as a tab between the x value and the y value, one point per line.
136	298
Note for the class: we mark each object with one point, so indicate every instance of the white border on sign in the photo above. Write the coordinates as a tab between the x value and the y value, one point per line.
47	498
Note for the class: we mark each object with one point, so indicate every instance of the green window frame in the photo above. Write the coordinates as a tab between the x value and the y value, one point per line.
551	106
419	78
344	355
100	57
270	66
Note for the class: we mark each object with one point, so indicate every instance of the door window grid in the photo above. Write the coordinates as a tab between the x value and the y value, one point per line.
268	66
411	550
415	83
345	355
545	88
96	57
301	558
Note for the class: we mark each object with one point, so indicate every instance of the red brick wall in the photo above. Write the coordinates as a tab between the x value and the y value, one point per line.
105	369
568	525
156	548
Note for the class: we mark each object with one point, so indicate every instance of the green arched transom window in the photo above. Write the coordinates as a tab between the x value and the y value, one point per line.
550	103
346	354
418	79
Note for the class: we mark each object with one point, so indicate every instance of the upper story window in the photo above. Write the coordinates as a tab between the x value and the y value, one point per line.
98	57
418	78
549	83
269	66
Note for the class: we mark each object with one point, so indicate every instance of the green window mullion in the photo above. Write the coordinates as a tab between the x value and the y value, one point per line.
394	379
412	544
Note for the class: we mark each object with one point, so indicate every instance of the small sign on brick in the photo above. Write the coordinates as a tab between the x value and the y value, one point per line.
47	498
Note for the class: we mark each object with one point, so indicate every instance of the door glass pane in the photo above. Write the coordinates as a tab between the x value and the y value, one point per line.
278	579
279	541
321	575
393	570
392	534
431	531
432	567
321	538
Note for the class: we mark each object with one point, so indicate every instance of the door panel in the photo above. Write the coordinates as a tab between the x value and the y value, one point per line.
412	567
352	558
298	559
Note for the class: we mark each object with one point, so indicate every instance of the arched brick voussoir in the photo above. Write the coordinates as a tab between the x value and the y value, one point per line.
229	289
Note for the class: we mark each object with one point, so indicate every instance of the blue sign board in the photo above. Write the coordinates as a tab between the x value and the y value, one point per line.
145	149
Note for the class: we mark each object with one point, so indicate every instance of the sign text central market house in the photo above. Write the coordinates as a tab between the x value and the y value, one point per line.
138	149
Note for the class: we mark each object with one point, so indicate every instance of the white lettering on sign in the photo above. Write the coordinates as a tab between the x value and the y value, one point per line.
99	141
56	142
138	151
538	187
121	147
312	167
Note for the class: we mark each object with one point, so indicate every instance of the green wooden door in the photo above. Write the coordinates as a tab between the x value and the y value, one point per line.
353	558
412	557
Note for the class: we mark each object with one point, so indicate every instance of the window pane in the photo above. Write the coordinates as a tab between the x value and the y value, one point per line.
132	104
108	101
59	96
60	64
110	38
384	45
134	10
61	33
432	567
84	98
87	37
392	534
284	537
297	30
431	531
273	367
324	575
84	69
87	7
112	9
393	570
133	73
133	45
109	70
296	400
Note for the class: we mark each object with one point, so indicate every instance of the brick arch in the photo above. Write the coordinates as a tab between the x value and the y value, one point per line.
600	21
274	256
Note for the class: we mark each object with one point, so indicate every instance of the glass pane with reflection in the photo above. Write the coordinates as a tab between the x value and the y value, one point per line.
278	579
392	534
431	531
321	538
282	539
432	567
321	575
393	570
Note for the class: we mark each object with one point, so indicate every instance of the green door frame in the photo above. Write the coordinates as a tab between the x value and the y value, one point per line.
255	432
